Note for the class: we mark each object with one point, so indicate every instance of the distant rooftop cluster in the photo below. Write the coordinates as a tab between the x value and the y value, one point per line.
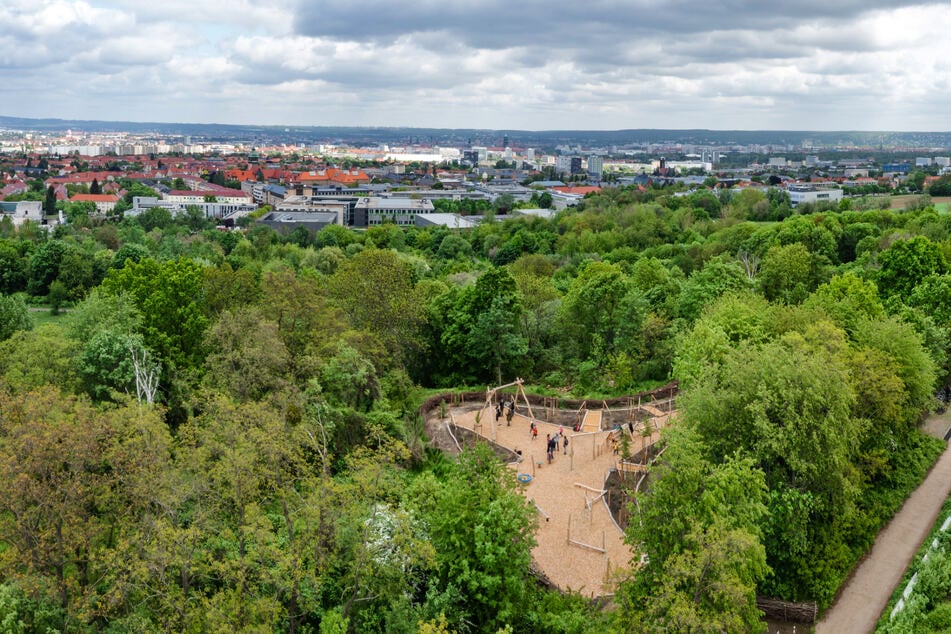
411	180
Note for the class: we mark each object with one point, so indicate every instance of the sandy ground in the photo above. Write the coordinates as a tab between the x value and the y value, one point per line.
866	593
579	546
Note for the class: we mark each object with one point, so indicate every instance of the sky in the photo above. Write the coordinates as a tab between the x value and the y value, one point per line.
496	64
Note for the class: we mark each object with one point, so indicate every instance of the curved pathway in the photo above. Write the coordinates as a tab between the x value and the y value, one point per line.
867	592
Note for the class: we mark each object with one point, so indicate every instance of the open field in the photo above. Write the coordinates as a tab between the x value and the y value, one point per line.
941	203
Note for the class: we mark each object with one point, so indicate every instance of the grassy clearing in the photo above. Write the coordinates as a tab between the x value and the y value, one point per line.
43	316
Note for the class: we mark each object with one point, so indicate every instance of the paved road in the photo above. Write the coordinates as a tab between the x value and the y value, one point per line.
867	593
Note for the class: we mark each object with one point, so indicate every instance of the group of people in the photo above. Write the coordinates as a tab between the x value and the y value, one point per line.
501	408
552	442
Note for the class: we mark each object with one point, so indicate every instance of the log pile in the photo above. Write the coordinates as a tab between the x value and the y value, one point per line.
788	611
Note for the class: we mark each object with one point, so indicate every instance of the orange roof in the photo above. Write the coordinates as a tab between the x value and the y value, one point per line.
578	190
95	198
334	175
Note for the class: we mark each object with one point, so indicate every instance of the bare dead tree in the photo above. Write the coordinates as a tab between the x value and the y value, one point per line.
147	373
750	263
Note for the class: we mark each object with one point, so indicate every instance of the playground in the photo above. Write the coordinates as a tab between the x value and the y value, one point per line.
580	545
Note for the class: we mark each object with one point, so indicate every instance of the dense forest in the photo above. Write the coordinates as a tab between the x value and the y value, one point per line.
221	433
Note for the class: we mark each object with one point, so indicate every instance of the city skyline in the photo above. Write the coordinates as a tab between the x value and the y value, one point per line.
533	66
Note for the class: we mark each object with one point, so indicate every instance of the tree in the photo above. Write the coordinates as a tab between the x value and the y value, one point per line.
716	278
481	528
169	296
496	339
375	290
14	316
248	358
847	299
789	273
699	526
94	188
45	266
13	267
906	263
49	203
107	364
57	296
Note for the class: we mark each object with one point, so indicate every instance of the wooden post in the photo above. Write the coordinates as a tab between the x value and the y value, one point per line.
533	465
568	532
525	396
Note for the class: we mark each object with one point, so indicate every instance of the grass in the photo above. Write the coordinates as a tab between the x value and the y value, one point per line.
913	566
41	317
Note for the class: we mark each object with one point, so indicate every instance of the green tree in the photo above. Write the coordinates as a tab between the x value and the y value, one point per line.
481	528
789	273
14	316
906	263
496	339
45	266
247	357
375	290
699	526
106	364
49	202
169	296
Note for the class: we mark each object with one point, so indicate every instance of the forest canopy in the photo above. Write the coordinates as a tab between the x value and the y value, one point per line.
222	431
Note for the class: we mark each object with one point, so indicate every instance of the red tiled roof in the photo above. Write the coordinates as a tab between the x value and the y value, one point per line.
578	190
94	198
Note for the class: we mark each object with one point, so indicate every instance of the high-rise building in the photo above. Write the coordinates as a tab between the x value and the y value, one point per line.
595	165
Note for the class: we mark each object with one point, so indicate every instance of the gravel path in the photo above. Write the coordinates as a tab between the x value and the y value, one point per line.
579	545
866	593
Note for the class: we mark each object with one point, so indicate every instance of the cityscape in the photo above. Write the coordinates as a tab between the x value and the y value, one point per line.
343	178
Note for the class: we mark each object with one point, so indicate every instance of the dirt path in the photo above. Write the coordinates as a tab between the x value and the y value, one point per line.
867	592
579	544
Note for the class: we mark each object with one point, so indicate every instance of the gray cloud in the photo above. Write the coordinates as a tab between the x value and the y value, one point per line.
499	64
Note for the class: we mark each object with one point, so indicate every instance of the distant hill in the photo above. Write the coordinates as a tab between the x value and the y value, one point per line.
462	136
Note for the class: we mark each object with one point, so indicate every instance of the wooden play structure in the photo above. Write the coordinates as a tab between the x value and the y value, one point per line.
579	542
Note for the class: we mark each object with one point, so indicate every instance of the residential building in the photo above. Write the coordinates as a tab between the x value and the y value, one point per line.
104	202
22	211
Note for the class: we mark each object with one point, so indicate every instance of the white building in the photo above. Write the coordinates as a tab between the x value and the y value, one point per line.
372	210
806	193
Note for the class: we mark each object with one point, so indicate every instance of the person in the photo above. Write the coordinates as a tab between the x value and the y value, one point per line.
498	413
548	447
566	445
508	417
534	432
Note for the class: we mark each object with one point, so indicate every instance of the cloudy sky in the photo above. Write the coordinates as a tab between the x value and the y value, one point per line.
501	64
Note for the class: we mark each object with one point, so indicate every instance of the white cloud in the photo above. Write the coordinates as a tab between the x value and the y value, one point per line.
806	64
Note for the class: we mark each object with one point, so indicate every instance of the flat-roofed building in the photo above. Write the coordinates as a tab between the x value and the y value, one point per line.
287	221
806	193
450	221
309	204
372	210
